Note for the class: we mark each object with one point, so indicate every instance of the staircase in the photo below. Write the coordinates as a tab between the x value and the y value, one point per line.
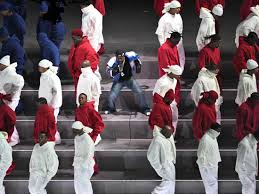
121	155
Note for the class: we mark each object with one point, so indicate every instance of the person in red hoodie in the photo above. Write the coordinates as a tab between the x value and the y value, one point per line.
205	114
209	4
44	121
7	116
210	54
89	117
247	50
100	6
247	117
168	53
79	52
245	8
161	114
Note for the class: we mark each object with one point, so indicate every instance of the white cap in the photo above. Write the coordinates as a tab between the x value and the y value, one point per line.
218	10
251	64
171	5
48	64
255	10
78	125
5	60
175	69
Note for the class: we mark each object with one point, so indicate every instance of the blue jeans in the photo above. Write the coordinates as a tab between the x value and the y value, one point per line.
131	84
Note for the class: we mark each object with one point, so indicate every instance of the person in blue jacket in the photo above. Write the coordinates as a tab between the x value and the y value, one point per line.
19	7
48	49
13	21
44	25
12	47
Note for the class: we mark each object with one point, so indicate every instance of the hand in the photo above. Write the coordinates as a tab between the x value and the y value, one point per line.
115	71
138	66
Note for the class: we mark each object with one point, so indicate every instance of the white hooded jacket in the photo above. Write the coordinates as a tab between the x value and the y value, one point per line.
247	161
246	86
88	84
164	84
5	154
167	24
162	154
205	82
84	152
208	151
207	28
11	83
50	88
44	161
250	24
92	26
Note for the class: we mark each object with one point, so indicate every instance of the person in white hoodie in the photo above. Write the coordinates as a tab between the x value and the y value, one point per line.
92	24
6	158
170	22
50	89
247	82
208	158
208	25
89	84
43	165
170	81
250	24
83	159
162	157
11	83
247	162
206	82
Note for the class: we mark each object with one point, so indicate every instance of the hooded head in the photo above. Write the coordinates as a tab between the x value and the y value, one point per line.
252	66
251	39
217	11
175	38
214	41
45	64
85	3
173	7
4	62
5	8
44	7
77	36
79	129
213	68
210	97
41	101
174	71
169	97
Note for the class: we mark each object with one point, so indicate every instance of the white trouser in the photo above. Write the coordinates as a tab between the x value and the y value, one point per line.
181	53
167	185
2	175
82	181
248	182
15	139
97	73
57	135
174	109
209	177
37	184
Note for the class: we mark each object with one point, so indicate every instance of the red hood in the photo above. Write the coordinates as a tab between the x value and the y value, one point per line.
45	109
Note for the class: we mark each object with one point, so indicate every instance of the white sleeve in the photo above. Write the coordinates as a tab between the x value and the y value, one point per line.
52	164
196	91
98	28
160	31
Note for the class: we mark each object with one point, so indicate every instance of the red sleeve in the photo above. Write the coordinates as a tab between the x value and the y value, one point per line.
99	5
52	128
162	61
10	120
97	124
155	118
202	59
197	124
239	60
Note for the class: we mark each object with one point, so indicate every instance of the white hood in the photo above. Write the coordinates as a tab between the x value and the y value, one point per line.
205	13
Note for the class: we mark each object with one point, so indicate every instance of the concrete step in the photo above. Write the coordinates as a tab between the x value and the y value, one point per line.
131	155
127	100
123	183
121	127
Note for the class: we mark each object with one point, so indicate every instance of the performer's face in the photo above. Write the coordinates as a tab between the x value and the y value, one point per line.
42	139
82	99
175	10
120	59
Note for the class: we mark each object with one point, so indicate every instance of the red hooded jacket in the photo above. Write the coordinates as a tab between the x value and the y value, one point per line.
77	55
204	116
45	122
90	118
161	114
